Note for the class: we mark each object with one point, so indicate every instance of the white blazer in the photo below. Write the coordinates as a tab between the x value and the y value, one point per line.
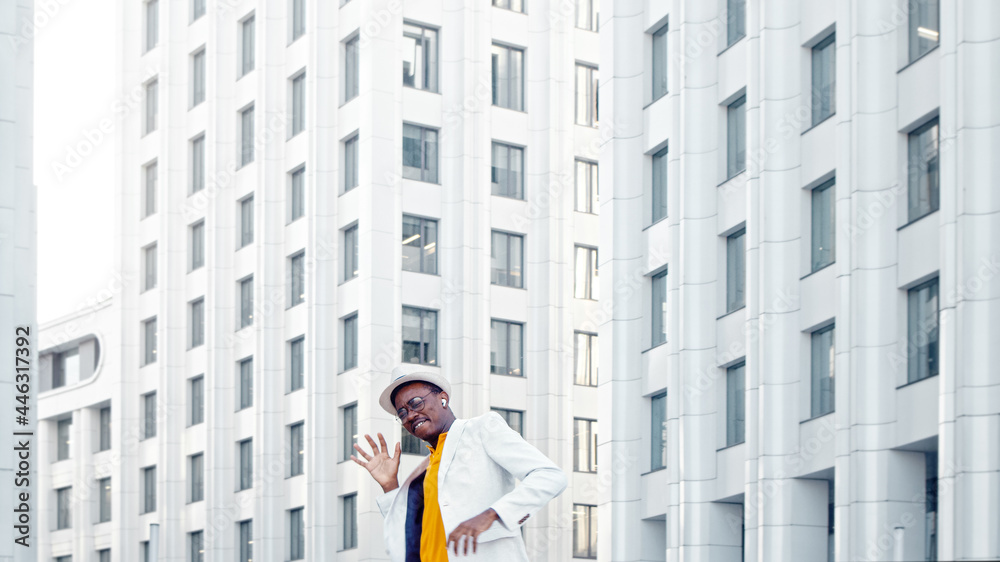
481	459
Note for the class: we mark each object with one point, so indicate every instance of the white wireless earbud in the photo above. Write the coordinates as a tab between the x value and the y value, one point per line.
444	402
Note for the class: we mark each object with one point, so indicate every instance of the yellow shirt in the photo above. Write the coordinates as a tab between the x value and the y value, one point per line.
433	542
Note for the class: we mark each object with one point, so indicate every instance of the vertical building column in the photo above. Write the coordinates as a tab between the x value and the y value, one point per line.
324	340
85	489
620	401
773	224
379	227
691	290
969	334
886	482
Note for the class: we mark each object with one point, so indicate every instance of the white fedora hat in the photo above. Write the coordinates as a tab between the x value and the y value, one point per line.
407	373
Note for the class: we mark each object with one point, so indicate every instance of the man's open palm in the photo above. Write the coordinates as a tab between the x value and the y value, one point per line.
383	467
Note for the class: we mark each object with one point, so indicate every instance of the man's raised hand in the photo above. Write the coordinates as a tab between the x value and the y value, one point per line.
383	467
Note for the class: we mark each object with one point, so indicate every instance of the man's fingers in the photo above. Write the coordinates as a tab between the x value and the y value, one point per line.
381	440
466	551
372	443
363	453
475	541
355	459
399	449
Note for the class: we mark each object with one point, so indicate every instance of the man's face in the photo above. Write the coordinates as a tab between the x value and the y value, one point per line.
429	422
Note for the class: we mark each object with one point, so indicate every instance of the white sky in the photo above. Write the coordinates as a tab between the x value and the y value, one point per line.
74	90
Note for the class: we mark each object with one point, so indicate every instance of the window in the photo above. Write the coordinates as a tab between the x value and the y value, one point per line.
296	436
70	558
149	193
197	413
823	224
63	438
659	190
658	431
149	341
144	552
149	415
586	95
925	19
246	541
824	79
585	364
152	23
508	76
63	514
735	270
246	302
197	543
413	445
246	464
420	57
736	20
419	244
584	531
297	538
63	364
350	428
197	316
350	521
507	348
931	493
297	279
102	556
922	331
298	102
420	153
197	9
298	19
513	5
297	199
822	371
585	283
419	336
514	419
586	186
296	363
660	62
198	77
198	164
584	445
735	404
350	252
351	342
507	172
196	464
924	176
247	45
152	106
246	383
351	163
148	489
352	68
586	14
736	146
246	221
149	267
197	245
104	440
659	311
246	136
507	259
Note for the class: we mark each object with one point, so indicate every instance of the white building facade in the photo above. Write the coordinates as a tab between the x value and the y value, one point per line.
797	194
309	194
18	274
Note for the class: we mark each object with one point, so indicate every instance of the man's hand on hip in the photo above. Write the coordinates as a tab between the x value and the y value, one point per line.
383	467
471	529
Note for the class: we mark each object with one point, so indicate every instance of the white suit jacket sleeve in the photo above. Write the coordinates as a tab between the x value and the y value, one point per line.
541	480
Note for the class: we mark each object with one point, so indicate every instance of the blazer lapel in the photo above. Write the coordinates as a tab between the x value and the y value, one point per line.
451	444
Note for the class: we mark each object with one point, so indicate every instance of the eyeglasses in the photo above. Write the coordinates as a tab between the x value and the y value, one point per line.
415	404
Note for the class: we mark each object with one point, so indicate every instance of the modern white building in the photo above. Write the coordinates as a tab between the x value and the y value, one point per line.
310	193
18	272
797	193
